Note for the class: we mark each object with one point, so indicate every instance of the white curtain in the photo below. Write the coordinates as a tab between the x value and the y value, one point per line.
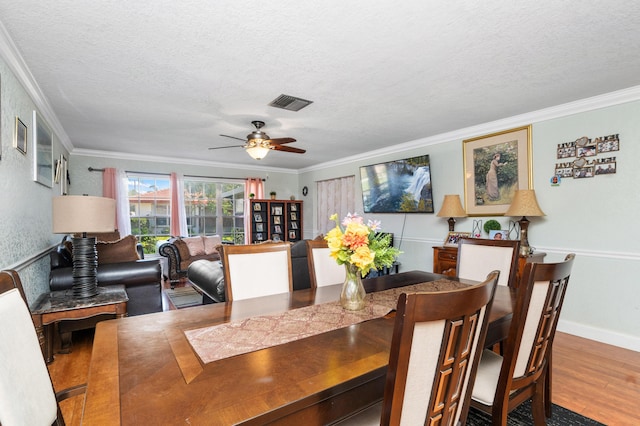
335	196
123	215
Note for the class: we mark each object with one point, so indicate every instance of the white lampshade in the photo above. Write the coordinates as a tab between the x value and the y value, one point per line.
81	213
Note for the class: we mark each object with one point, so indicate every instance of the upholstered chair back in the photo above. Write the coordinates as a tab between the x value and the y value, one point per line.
477	257
256	270
323	269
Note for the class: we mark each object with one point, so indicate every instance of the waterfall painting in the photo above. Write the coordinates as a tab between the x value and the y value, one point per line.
400	186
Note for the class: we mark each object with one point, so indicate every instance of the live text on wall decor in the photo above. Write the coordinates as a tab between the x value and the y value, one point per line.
587	158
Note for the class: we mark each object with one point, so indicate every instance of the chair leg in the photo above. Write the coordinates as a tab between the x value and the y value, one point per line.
547	387
538	404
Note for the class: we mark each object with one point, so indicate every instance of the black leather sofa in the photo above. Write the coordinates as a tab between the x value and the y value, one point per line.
142	281
208	276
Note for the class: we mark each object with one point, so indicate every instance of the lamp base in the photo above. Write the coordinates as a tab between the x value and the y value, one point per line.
85	267
452	223
525	249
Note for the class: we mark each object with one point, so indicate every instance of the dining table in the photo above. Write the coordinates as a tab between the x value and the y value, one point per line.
146	370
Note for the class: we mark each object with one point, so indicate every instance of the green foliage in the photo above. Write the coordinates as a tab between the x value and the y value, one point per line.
385	254
492	225
408	203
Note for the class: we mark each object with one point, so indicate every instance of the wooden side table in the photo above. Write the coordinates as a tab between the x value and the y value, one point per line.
445	261
56	306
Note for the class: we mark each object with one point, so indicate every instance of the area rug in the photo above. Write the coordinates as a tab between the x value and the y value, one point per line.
184	297
522	416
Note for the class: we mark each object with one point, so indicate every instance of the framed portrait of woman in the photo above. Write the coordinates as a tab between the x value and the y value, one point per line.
495	166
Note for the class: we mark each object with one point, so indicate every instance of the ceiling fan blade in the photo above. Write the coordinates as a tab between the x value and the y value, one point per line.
280	141
231	146
233	137
288	149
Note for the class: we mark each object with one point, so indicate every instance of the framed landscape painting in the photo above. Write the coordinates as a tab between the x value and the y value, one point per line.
495	166
42	151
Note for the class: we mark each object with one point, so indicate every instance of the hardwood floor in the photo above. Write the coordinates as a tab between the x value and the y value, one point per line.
596	380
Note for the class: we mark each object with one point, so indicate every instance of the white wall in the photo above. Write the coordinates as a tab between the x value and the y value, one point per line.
593	217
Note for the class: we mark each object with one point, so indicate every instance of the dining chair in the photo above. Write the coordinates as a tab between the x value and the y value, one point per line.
323	269
256	270
478	256
523	371
27	396
435	348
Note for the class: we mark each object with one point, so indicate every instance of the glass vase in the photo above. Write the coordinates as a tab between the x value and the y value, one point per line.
353	294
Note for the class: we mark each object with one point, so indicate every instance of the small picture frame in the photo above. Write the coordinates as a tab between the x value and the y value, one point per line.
257	217
498	234
586	151
294	207
259	227
257	206
608	144
276	220
453	238
20	136
294	216
292	235
606	168
583	172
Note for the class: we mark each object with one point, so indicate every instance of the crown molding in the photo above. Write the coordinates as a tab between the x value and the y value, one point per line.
18	66
175	160
618	97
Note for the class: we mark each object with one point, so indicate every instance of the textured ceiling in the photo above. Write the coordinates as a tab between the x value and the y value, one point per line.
166	78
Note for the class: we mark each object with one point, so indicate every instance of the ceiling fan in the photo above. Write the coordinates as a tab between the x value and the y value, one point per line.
259	143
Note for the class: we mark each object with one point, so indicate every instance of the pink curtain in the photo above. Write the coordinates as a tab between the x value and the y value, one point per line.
255	186
109	183
175	206
251	186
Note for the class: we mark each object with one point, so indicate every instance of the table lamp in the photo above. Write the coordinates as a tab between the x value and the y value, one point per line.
451	208
524	204
78	214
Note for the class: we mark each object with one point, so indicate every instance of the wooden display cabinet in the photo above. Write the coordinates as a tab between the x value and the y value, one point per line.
276	220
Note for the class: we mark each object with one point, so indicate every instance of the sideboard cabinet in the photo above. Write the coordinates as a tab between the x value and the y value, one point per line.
445	260
276	220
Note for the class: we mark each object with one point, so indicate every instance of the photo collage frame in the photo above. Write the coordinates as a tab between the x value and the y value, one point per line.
583	159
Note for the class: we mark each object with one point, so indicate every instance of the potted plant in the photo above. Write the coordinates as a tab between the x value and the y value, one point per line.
252	195
491	225
273	195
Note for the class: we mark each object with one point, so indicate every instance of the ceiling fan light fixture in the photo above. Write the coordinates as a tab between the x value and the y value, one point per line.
257	149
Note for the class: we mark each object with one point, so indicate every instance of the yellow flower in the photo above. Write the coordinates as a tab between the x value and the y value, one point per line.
363	258
353	242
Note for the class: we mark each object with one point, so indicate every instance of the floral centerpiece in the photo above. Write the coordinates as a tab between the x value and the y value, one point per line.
360	248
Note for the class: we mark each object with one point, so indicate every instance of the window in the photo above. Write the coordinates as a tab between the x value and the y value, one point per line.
215	208
149	206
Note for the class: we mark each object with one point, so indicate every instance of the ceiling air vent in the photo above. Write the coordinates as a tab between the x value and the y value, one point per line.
290	103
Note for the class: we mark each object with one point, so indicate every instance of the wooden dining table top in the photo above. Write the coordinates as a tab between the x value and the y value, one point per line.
144	371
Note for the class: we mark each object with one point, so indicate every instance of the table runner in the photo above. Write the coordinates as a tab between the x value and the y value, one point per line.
239	337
